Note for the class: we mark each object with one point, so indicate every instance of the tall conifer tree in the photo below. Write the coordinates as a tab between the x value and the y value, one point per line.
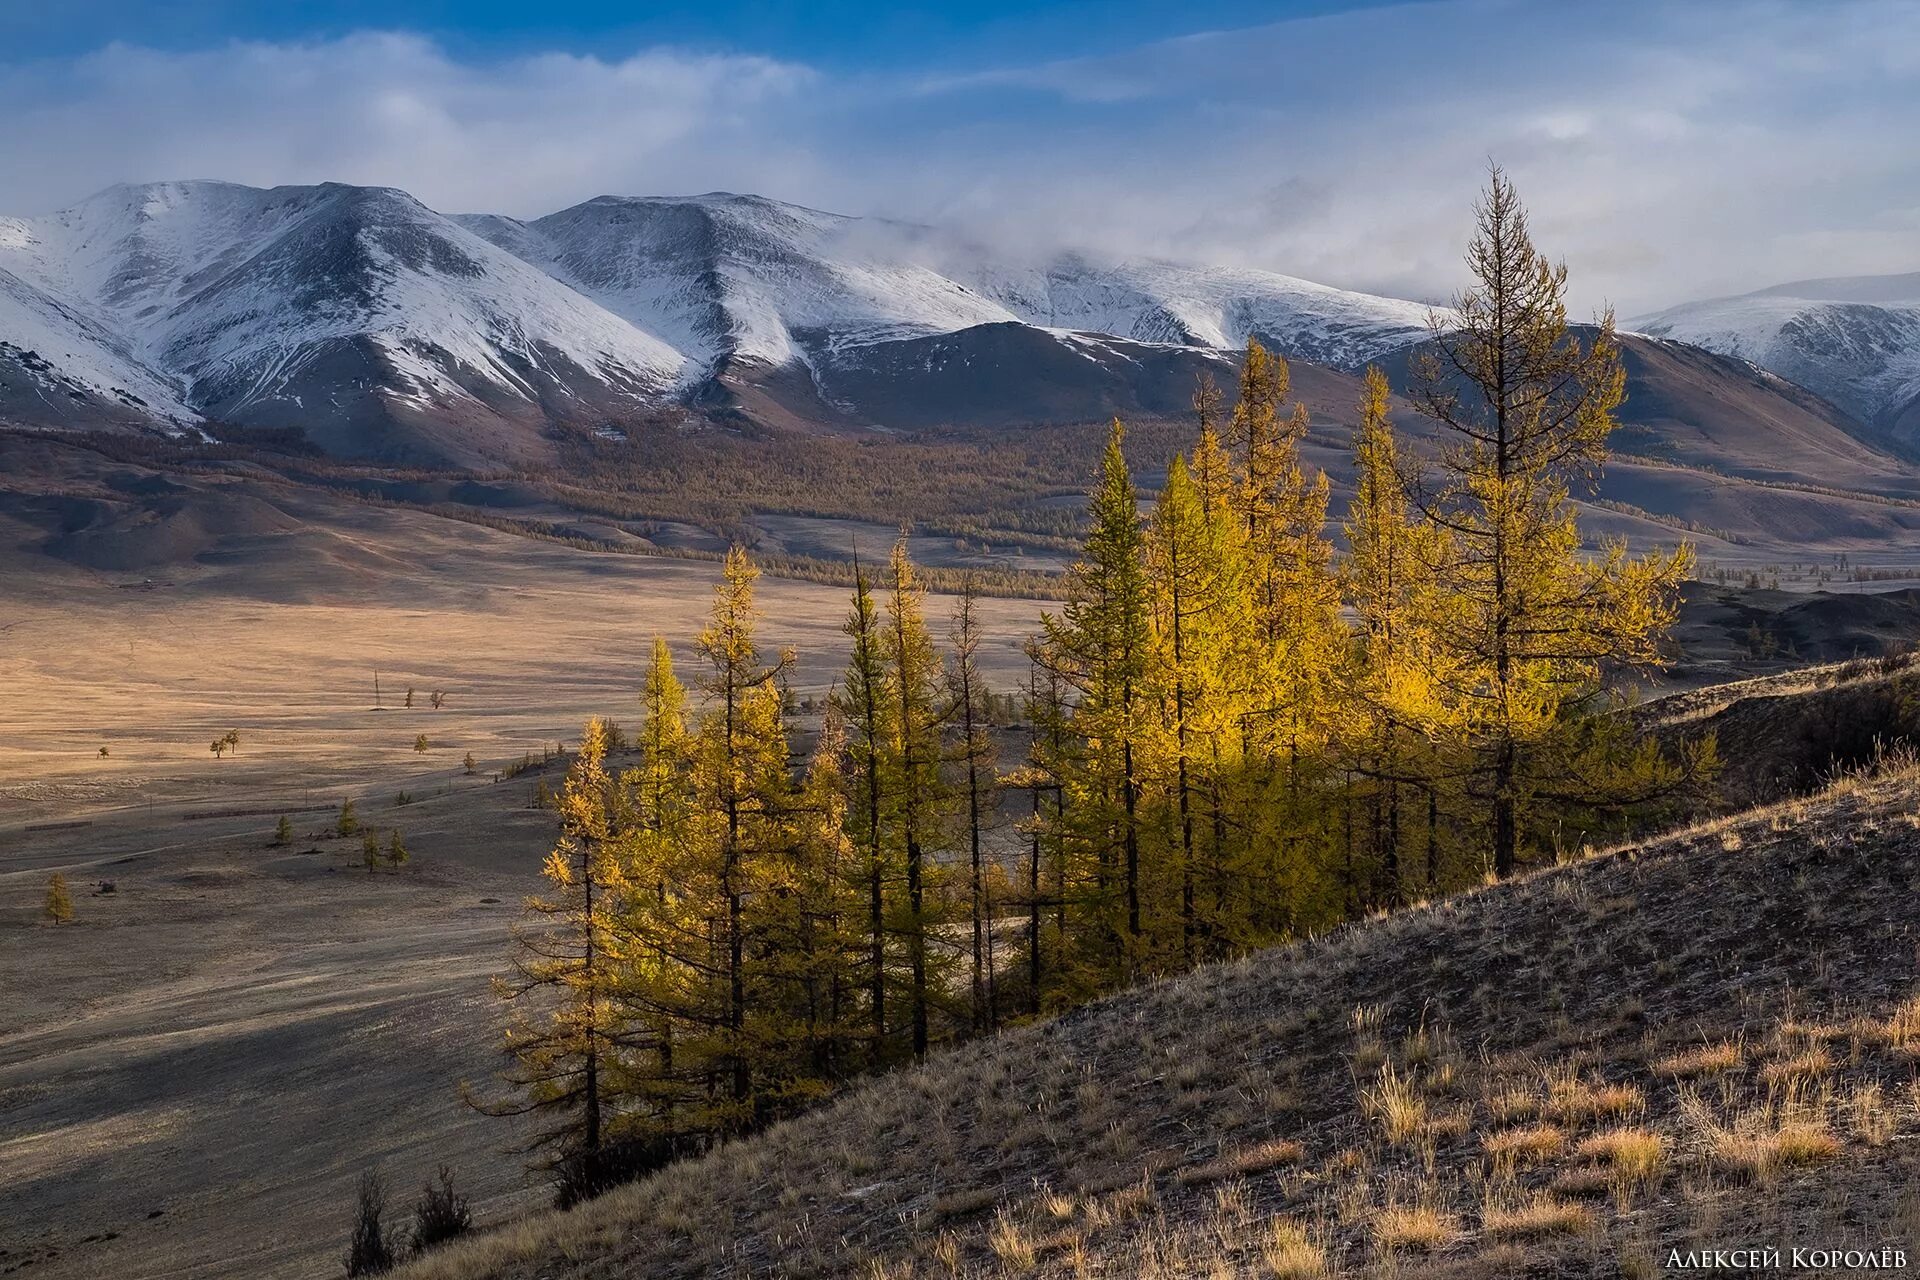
563	1032
1100	646
919	800
1525	406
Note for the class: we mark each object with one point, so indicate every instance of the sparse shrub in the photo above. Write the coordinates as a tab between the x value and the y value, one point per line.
438	699
403	798
467	763
59	900
283	830
372	1249
581	1176
348	821
396	850
440	1213
420	743
104	753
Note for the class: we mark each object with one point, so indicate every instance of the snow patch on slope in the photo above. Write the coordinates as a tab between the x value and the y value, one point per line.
62	350
1855	341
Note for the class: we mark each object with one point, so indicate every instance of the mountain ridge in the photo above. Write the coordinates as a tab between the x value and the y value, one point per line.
1854	340
389	330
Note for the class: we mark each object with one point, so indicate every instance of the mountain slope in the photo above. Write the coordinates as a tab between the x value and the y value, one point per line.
59	368
1854	340
812	317
1552	1077
357	313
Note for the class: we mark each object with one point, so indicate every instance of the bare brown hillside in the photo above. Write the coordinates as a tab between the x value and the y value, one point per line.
1706	1040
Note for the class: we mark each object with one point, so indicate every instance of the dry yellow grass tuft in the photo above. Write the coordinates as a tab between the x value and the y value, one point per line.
1811	1064
1758	1144
1244	1163
1414	1227
1396	1106
1511	1103
1571	1100
1290	1253
1633	1159
1523	1145
1010	1242
1869	1115
1419	1227
1901	1029
1535	1217
1589	1180
1706	1060
1631	1153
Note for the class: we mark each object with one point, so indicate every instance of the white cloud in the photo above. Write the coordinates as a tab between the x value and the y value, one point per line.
1667	151
520	136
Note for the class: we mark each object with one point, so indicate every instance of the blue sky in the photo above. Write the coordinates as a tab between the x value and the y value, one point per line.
838	34
1667	151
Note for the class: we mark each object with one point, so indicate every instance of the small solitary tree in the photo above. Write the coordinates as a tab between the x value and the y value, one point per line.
59	901
420	744
438	699
349	821
232	739
467	762
103	753
283	831
370	851
396	850
219	747
409	697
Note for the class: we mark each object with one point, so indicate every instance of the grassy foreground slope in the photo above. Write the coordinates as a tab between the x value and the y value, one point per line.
1707	1040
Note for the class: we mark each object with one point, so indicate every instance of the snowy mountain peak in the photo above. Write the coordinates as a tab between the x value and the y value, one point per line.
1854	340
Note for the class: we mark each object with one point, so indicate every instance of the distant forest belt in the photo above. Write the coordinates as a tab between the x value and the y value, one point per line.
58	826
255	813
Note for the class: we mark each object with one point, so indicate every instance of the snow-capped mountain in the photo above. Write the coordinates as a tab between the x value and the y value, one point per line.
1854	340
342	310
386	329
58	365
